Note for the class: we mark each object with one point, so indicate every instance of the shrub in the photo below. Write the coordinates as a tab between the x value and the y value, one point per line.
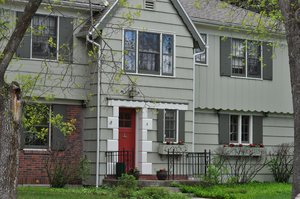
212	177
240	164
281	162
127	185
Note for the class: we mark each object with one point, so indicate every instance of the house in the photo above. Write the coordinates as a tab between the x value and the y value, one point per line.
184	80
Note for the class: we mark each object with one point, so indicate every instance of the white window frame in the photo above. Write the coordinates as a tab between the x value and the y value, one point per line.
57	39
240	129
177	125
161	54
246	61
30	148
206	51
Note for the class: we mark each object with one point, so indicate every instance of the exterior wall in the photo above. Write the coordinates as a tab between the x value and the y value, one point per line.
32	162
177	90
277	129
227	93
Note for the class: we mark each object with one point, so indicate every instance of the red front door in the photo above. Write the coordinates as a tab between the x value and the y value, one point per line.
127	137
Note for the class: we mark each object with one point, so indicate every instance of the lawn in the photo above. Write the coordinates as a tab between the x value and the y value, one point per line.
91	193
242	191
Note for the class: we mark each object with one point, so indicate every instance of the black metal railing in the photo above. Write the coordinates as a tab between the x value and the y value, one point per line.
185	165
119	161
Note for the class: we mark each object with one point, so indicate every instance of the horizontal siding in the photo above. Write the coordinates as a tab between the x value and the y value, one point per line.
218	92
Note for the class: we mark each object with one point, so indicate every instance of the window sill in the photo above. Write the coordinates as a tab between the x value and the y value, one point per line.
201	64
243	150
165	149
247	78
150	75
36	151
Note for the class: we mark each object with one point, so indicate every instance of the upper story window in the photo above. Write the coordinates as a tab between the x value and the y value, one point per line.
148	53
246	58
202	58
44	37
49	37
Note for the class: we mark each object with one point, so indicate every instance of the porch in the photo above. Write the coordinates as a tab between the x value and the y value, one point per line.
180	166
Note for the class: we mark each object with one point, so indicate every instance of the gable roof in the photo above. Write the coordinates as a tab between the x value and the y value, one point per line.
113	4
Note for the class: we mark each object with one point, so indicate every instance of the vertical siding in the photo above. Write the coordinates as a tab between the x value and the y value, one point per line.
218	92
277	129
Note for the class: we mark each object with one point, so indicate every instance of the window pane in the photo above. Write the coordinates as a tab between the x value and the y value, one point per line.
44	37
203	57
149	53
36	125
245	129
167	48
233	134
238	57
253	62
130	51
170	125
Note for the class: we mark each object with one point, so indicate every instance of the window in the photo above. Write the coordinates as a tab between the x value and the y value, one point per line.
148	53
44	37
36	126
240	129
38	132
45	40
246	58
171	126
202	58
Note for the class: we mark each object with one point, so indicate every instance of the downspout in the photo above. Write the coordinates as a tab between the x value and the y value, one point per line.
194	96
89	38
98	105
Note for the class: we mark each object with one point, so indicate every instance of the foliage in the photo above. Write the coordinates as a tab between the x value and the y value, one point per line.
126	186
281	162
241	191
239	164
213	176
62	170
157	193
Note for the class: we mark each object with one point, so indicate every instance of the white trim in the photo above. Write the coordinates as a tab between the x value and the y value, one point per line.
142	104
240	129
246	61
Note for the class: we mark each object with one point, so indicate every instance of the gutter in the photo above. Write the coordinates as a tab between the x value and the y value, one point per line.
194	96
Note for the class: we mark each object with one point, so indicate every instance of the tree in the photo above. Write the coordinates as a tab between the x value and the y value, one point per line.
10	108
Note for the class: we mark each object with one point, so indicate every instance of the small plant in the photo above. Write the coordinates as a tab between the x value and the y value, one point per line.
127	185
212	177
134	172
281	162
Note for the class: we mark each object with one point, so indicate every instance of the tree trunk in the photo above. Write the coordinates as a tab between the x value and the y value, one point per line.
292	27
10	107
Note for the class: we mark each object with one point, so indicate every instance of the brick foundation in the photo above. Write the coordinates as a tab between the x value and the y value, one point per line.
32	163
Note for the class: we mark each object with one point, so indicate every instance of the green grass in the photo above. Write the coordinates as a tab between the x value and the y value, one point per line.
242	191
91	193
65	193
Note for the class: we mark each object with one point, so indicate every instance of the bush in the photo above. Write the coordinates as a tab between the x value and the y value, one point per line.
281	162
127	185
212	177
